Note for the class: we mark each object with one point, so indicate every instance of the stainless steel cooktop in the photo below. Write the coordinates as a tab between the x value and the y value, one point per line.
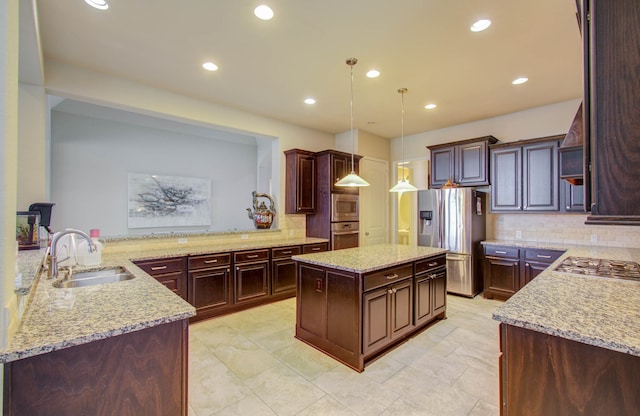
600	267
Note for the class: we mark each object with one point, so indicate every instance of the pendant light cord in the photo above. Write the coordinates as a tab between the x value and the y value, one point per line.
402	91
353	146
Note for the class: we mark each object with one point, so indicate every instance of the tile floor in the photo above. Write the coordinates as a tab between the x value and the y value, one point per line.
249	363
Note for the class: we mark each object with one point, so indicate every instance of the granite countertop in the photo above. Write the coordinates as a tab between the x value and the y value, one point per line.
370	258
528	244
599	311
60	318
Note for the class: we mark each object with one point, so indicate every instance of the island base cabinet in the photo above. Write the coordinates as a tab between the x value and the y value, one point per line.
543	375
139	373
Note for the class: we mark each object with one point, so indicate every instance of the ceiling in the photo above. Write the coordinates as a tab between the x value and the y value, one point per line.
269	67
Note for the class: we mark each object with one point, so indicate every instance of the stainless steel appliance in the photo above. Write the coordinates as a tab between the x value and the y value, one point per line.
344	207
453	219
344	235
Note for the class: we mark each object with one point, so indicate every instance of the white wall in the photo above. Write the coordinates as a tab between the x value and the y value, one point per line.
91	158
32	133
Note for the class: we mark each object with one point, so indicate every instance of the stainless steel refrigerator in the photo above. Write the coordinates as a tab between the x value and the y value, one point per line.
454	219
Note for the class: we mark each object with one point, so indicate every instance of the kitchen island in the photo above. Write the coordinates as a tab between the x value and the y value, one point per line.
357	303
570	343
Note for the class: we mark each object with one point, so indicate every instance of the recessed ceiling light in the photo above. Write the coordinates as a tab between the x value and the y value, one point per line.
98	4
210	66
430	106
520	80
309	101
480	25
374	73
263	12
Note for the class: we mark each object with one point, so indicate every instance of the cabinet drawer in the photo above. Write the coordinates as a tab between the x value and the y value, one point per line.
315	248
164	266
501	251
542	256
249	256
209	260
431	263
387	276
285	251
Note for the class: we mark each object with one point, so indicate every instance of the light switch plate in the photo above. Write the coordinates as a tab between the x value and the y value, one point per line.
518	234
182	241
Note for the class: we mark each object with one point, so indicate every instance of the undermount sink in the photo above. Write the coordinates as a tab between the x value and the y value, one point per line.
94	277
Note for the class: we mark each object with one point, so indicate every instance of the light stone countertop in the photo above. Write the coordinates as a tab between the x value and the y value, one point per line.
370	258
599	311
60	318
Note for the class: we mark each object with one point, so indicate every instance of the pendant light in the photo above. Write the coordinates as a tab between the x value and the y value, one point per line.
403	185
352	180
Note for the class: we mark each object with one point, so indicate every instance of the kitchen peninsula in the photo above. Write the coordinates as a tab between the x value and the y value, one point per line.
355	304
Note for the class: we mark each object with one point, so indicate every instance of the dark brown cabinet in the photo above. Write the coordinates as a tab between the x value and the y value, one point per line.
251	275
340	166
542	374
283	270
524	175
508	269
209	283
300	195
464	163
611	107
170	272
354	317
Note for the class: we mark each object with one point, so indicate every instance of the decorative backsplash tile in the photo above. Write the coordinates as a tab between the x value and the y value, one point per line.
554	228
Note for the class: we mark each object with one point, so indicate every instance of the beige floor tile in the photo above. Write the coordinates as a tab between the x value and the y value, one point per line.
249	406
327	406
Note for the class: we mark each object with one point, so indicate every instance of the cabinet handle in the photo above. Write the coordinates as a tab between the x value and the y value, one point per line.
315	249
159	268
500	252
540	256
287	252
433	263
318	285
433	276
391	276
252	256
211	261
390	291
526	264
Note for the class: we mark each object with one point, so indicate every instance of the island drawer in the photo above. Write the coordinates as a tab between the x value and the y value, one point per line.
387	276
209	260
161	266
430	263
252	255
315	248
285	251
501	251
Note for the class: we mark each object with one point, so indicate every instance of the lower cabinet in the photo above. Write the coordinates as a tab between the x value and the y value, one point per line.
251	276
430	290
283	270
170	272
508	269
210	282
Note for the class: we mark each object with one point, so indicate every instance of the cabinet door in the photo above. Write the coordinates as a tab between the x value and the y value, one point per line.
540	177
572	197
340	167
471	164
283	276
532	269
170	272
501	277
377	319
402	308
439	288
174	282
424	299
506	179
300	182
442	166
312	293
209	289
251	281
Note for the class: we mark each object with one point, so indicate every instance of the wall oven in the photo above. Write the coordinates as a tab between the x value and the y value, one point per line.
344	207
344	235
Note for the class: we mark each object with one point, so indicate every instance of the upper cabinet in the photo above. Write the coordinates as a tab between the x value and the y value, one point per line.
524	175
300	182
340	166
464	163
611	109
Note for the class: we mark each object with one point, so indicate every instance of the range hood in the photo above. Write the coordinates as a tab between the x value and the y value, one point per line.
571	152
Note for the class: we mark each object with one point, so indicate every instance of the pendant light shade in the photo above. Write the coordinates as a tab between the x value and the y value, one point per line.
352	180
403	185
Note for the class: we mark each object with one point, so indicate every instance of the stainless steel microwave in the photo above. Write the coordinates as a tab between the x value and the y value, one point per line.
344	207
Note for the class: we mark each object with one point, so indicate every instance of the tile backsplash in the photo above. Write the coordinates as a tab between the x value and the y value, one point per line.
560	228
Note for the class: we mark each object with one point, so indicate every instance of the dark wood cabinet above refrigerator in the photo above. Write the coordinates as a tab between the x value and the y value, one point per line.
465	163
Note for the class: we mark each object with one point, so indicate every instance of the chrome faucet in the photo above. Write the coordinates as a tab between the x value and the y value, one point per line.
53	256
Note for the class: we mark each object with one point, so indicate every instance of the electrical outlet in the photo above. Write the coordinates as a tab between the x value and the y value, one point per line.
182	241
244	236
291	233
518	234
594	238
